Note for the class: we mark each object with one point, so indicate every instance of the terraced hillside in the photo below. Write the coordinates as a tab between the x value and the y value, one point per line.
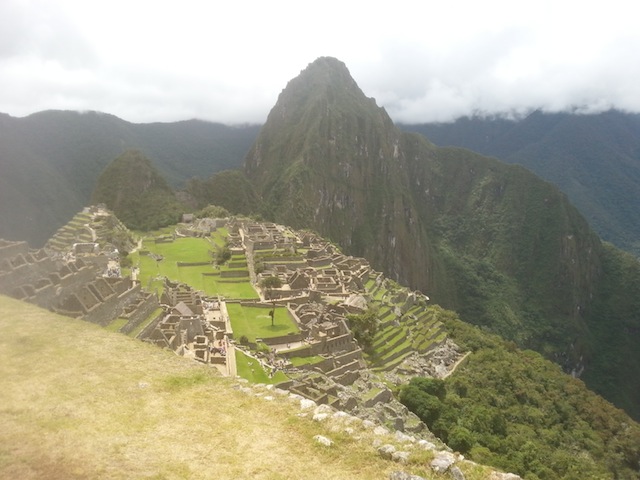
407	326
92	225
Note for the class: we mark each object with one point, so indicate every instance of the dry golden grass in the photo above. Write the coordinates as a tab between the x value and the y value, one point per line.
77	402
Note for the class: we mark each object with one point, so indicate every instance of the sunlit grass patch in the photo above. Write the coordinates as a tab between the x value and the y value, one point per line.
255	322
250	369
300	361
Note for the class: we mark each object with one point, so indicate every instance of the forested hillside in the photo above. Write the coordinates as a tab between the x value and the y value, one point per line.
135	191
594	159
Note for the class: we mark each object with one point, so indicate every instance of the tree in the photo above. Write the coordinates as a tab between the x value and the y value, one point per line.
271	282
460	439
428	407
364	326
213	211
222	255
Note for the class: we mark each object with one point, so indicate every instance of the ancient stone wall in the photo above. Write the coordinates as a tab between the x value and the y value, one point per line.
103	313
9	249
145	304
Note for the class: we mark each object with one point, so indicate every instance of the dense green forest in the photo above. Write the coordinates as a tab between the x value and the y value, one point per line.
133	189
517	411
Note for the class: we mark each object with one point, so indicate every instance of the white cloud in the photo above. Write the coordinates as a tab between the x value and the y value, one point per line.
423	61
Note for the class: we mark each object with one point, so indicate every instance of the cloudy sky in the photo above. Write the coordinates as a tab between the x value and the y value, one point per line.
228	61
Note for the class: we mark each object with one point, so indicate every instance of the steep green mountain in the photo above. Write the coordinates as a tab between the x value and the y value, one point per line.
594	159
135	191
229	189
492	241
50	161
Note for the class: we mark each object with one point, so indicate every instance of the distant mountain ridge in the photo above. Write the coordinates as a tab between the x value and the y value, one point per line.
594	159
50	161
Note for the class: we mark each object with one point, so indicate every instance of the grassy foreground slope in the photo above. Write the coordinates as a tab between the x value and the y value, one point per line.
77	401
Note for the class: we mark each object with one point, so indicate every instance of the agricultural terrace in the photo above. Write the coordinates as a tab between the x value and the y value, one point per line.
255	322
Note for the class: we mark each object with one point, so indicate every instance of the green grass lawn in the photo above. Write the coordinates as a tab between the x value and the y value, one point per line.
187	250
255	322
299	361
217	286
250	369
219	237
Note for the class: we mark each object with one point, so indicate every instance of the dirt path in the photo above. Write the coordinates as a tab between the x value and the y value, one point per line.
455	365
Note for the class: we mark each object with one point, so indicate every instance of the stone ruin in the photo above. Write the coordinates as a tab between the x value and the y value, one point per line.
320	287
79	287
193	326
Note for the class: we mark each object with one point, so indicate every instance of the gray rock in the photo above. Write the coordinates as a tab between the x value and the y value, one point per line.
386	451
323	409
323	440
404	476
306	404
380	430
404	438
426	445
504	476
456	473
400	457
320	417
442	461
368	424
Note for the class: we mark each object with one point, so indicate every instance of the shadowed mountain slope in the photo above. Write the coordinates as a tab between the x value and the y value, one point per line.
594	159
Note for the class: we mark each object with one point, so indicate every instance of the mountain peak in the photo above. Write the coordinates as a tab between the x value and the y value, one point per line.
326	70
321	108
324	82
